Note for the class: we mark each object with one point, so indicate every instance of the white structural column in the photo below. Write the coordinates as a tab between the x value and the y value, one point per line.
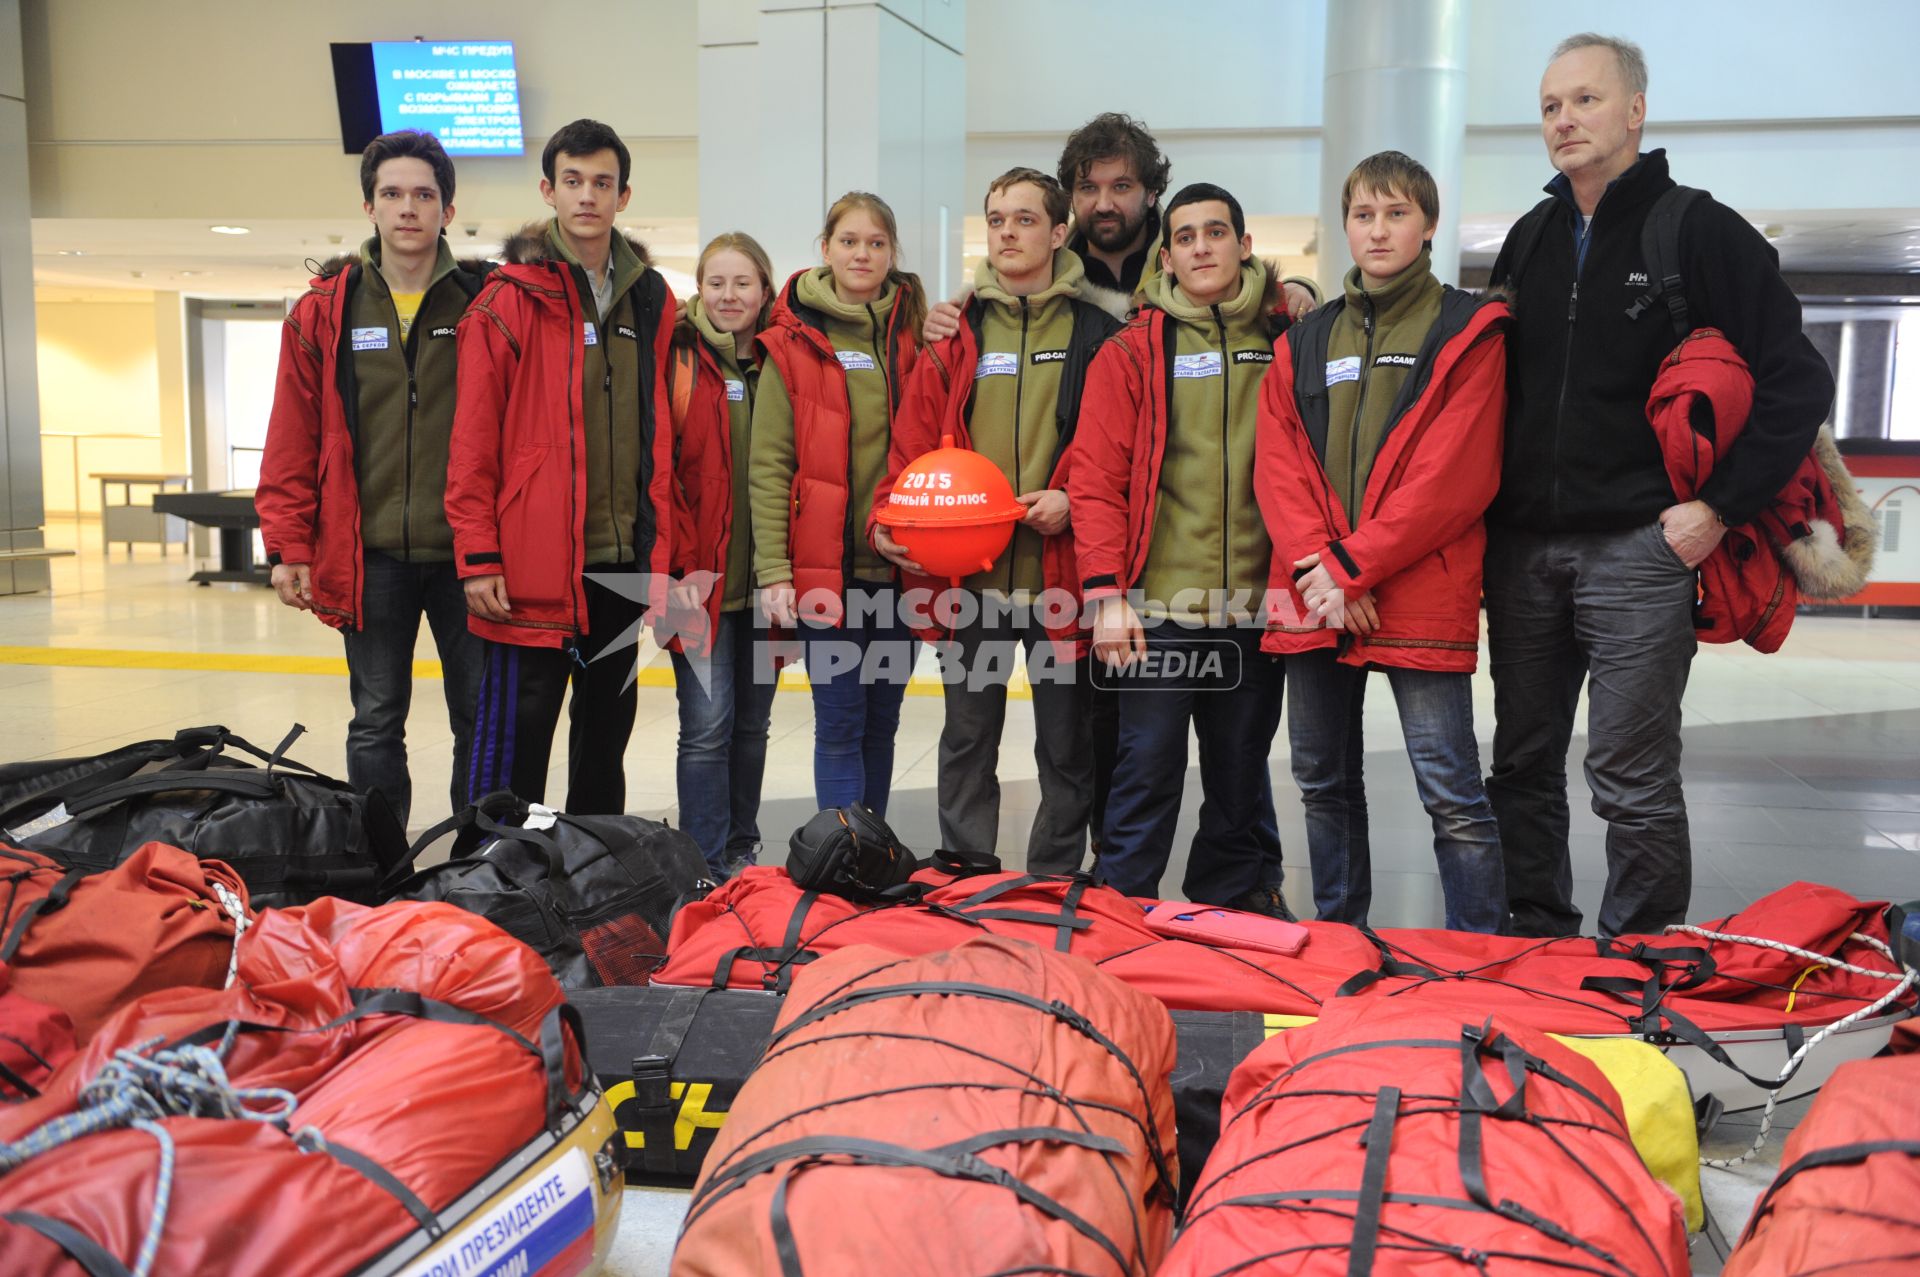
22	506
804	100
1396	81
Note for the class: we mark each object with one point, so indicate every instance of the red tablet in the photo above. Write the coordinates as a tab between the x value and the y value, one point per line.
1203	924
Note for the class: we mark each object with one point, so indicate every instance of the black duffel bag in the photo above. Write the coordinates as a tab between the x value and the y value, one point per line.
291	833
594	896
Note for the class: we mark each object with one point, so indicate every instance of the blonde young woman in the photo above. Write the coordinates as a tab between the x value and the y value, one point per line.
838	351
722	677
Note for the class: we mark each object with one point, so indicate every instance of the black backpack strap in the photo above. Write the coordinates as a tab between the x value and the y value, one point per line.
1308	341
1525	237
974	316
1660	250
1091	328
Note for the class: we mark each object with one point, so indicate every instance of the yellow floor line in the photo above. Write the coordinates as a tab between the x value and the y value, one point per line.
105	658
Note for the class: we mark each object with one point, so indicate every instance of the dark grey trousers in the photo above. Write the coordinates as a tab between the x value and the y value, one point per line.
1615	611
976	705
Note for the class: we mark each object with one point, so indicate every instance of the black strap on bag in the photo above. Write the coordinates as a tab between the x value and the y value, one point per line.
82	1249
551	1050
959	1160
1838	1155
1660	249
653	1080
309	1139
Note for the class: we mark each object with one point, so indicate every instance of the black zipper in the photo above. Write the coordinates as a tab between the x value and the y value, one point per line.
606	385
1019	384
1226	460
1360	408
1566	361
407	349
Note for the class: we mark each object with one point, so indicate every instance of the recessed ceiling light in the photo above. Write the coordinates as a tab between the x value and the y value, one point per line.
193	272
230	230
72	252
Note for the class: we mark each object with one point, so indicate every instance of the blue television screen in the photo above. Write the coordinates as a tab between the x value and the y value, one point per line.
464	92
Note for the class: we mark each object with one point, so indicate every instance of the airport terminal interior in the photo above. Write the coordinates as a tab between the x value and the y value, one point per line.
171	175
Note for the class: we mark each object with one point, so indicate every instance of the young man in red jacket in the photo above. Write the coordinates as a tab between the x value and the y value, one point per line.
1174	555
1007	384
1378	452
560	491
352	482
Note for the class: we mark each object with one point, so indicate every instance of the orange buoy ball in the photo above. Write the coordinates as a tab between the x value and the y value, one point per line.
952	510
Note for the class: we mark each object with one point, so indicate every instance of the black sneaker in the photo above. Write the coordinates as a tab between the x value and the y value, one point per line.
1264	900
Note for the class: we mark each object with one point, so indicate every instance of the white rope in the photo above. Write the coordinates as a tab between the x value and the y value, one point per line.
1904	982
238	912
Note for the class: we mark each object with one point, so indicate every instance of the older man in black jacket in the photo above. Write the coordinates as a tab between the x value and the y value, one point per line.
1590	559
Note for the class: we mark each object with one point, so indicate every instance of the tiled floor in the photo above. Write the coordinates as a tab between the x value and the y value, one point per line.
1804	764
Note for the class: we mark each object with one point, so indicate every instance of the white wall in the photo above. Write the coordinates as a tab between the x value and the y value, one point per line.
1773	104
226	108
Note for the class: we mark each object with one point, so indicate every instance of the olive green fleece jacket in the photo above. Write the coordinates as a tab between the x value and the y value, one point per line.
741	380
858	333
611	397
1016	390
1371	351
1207	532
403	397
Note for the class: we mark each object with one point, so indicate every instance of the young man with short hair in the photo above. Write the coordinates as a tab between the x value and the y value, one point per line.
560	492
353	477
1173	553
1378	451
1008	385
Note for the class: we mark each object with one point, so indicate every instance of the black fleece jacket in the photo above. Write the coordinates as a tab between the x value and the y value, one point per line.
1580	456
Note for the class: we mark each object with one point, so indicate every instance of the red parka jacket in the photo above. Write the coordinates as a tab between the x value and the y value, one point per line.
703	480
517	481
1120	443
819	535
1421	537
1816	537
308	495
937	402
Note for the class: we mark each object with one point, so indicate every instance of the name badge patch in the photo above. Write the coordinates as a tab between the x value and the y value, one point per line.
1203	365
736	390
1396	361
1339	370
1253	356
997	363
854	360
369	339
624	331
593	337
1049	356
444	330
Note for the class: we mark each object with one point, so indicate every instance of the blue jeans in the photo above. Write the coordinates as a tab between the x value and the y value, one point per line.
859	673
380	674
1236	847
726	698
1436	717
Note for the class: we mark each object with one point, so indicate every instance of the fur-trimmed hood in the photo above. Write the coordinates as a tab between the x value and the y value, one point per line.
529	246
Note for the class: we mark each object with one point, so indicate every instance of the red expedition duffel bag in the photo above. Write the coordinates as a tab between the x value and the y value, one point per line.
993	1108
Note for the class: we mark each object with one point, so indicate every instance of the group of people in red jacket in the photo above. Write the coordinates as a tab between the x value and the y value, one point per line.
1228	484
